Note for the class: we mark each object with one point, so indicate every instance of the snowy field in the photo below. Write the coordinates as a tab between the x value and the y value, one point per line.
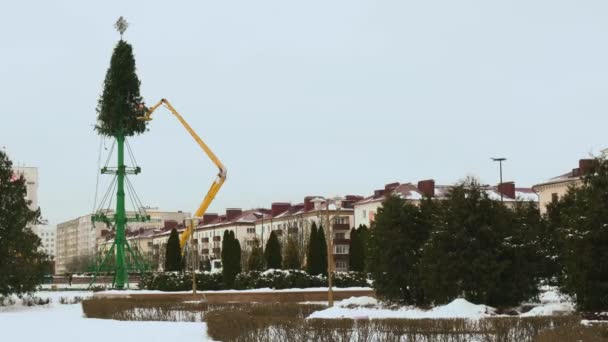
550	303
66	322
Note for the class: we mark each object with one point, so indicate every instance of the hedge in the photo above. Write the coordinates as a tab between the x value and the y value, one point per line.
275	279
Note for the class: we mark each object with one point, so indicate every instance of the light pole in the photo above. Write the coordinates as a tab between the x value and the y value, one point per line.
194	251
330	250
500	160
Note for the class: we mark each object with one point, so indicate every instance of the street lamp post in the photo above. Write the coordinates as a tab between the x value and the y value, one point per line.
500	160
330	251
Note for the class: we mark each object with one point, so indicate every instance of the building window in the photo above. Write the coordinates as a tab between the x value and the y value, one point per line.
340	236
250	230
341	249
341	266
364	214
554	197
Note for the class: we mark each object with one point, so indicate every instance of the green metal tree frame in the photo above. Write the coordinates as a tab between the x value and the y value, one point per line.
119	221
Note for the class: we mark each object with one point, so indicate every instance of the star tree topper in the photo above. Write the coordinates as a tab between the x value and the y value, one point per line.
121	25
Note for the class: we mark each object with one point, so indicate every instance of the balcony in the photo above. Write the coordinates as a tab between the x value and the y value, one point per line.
217	238
205	240
217	251
340	257
341	241
205	251
341	226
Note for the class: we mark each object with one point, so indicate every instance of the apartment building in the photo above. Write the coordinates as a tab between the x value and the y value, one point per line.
48	237
366	209
295	222
555	188
80	237
30	174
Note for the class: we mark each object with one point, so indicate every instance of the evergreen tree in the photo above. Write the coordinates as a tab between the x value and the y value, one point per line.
256	258
236	249
272	254
363	237
292	255
22	266
583	218
231	258
205	264
173	253
120	103
396	242
353	251
312	255
358	248
322	251
480	250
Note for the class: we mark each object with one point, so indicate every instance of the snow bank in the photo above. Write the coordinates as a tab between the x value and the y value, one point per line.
58	322
459	308
265	289
358	301
550	310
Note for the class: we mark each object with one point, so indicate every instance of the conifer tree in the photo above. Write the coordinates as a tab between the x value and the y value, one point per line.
173	254
292	256
120	103
312	255
353	252
236	249
363	241
22	266
480	250
358	248
272	254
395	251
231	258
583	216
322	251
256	258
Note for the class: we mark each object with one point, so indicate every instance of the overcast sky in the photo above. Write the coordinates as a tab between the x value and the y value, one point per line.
307	97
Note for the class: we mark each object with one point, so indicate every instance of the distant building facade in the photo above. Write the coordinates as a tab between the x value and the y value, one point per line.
366	209
555	188
48	238
30	174
79	238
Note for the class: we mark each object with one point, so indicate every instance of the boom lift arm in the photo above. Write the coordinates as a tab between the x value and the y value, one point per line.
217	183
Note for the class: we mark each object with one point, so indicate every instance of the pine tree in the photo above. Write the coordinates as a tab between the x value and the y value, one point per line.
353	251
363	241
231	258
22	266
173	253
312	255
583	216
256	258
396	240
322	251
481	250
120	103
292	256
358	248
236	249
272	254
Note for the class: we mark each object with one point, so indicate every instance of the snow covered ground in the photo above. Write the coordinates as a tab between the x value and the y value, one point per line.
551	302
63	322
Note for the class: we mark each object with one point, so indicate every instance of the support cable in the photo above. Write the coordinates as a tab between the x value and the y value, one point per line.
98	173
138	200
107	194
110	153
130	152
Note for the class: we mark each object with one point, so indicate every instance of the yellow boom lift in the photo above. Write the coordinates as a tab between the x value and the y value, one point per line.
217	183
